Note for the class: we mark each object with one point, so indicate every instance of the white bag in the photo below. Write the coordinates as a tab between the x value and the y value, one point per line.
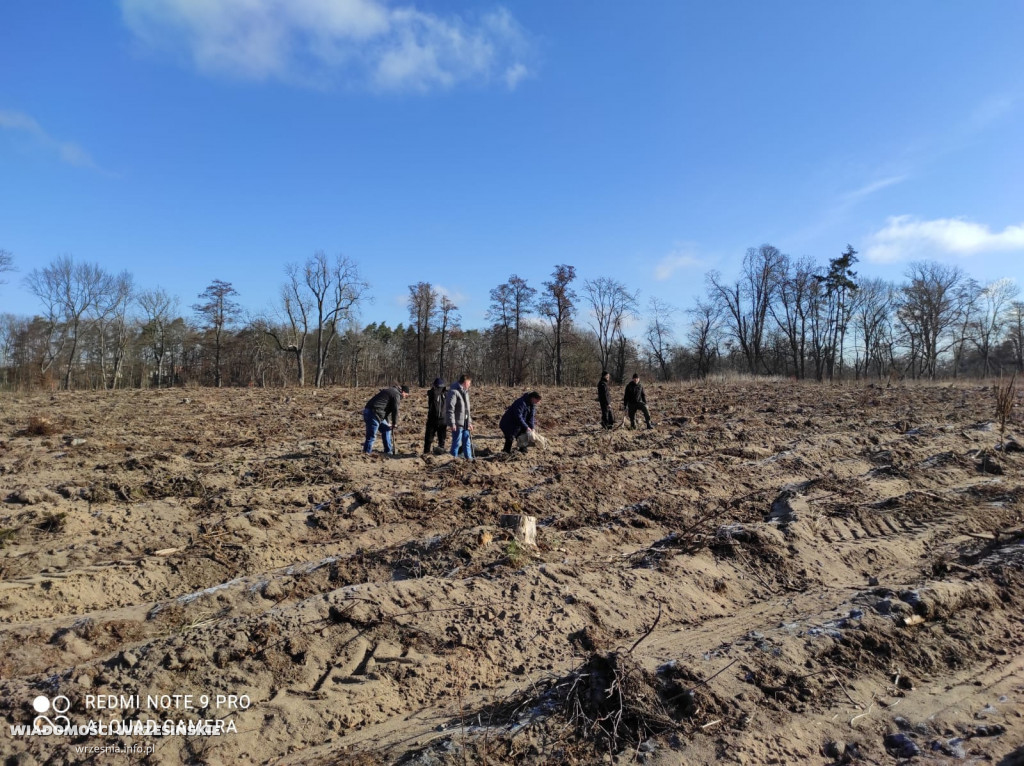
534	439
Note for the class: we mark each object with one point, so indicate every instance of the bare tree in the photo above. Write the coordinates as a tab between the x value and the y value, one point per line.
423	308
219	311
113	329
1015	333
872	320
994	313
449	321
296	306
746	301
6	264
337	291
69	291
10	327
558	307
928	307
320	298
611	304
511	303
158	309
704	334
792	308
968	301
659	334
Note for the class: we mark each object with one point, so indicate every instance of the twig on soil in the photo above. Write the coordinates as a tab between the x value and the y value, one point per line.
649	631
976	536
705	682
858	717
852	700
735	501
445	609
752	570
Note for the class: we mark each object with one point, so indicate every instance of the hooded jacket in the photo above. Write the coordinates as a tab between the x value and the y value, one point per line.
435	404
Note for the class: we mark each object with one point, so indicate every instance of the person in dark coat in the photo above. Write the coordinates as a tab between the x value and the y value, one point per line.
604	398
435	416
381	414
519	418
635	399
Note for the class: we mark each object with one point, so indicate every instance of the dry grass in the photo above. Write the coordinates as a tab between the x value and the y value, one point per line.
40	426
52	522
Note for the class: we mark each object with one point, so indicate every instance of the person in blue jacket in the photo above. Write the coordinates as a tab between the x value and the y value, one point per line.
519	418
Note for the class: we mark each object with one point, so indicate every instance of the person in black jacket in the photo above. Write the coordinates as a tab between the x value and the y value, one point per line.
519	418
604	398
635	399
381	414
435	416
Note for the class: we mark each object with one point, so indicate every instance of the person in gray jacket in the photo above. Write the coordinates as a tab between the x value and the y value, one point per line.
457	417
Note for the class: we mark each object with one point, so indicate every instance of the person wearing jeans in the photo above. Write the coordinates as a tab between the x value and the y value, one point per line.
458	419
381	414
462	444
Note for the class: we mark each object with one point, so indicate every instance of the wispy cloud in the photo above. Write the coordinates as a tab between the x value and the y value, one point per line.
323	43
68	151
868	189
681	258
990	111
841	206
904	237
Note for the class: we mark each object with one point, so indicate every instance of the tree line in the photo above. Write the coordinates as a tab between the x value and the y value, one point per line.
781	316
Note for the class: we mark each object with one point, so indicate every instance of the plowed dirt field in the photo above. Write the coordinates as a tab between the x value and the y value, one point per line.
775	573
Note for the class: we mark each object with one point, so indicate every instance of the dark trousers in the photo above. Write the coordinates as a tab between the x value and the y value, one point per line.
632	414
607	418
434	430
510	439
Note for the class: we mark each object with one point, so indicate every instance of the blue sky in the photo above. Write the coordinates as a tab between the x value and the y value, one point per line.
460	142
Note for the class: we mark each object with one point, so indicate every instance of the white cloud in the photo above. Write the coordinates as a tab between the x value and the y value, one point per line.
904	237
674	261
68	151
355	43
455	296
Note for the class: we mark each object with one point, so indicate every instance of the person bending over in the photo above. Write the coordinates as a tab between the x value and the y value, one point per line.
519	418
381	414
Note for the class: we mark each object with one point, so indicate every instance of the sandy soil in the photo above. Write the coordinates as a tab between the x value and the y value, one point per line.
776	573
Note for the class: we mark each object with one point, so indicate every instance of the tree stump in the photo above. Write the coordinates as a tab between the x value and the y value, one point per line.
524	528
